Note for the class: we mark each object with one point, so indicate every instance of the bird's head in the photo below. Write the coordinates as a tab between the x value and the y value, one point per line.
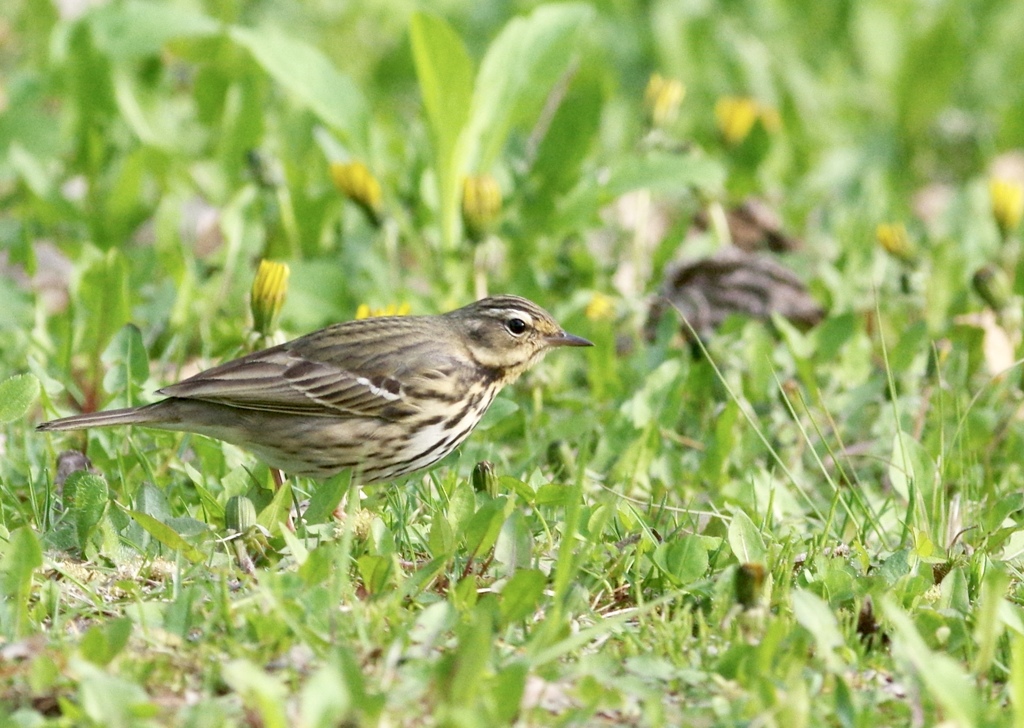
509	334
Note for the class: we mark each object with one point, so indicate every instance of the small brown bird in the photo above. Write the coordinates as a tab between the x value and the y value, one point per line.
381	396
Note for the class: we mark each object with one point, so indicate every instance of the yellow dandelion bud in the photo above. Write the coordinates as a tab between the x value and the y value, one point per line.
356	182
600	307
663	98
1007	204
392	309
894	238
239	514
749	585
485	478
735	117
269	289
481	204
993	285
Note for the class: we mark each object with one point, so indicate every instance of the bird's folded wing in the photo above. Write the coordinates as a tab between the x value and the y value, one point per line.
277	380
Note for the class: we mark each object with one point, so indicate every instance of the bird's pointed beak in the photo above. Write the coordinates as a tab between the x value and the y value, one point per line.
564	339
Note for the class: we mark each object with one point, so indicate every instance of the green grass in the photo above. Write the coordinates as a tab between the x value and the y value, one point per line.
776	527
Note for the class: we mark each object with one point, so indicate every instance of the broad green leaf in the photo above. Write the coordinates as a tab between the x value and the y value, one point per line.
188	527
569	137
431	625
650	398
815	615
127	365
909	466
148	125
261	693
445	74
29	139
22	557
745	539
465	594
933	63
508	484
599	518
514	547
441	538
308	74
683	560
895	566
521	594
911	346
104	641
800	344
471	654
522	64
166	535
32	169
295	546
1015	681
665	173
319	564
103	295
461	505
213	507
308	301
325	698
554	494
86	496
483	528
151	500
499	411
326	498
832	334
947	682
134	30
652	668
109	700
277	510
376	572
988	626
17	395
996	513
507	691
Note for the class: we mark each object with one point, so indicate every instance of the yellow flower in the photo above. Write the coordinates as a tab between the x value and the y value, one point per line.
894	238
481	204
600	307
269	289
1007	204
663	98
736	116
364	310
356	182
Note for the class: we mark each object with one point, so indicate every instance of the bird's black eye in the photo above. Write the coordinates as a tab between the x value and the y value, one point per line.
515	326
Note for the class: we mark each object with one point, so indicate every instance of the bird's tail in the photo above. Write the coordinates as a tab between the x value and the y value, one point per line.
127	416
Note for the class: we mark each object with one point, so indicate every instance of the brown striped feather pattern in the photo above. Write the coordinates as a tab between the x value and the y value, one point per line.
381	396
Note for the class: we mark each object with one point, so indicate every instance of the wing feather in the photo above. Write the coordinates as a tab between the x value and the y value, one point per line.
327	373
